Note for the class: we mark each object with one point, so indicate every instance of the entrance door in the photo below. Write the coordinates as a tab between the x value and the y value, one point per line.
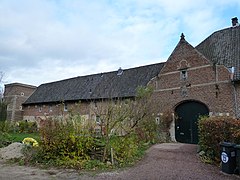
187	114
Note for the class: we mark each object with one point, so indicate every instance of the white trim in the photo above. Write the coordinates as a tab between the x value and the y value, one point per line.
189	69
197	85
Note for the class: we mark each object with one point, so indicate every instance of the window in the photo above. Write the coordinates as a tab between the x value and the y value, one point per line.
120	71
157	120
65	108
183	74
22	93
98	120
50	108
20	108
40	108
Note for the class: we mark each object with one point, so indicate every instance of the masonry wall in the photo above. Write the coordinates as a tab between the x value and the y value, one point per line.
42	111
205	82
88	109
14	95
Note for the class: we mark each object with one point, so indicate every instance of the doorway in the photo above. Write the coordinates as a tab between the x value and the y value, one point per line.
187	115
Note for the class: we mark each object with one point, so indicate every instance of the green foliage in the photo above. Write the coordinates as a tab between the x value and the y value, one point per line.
147	131
125	149
26	127
66	142
144	92
4	139
214	130
18	137
3	110
5	126
70	141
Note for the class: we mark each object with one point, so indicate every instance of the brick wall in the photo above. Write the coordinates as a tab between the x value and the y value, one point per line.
204	82
41	111
14	95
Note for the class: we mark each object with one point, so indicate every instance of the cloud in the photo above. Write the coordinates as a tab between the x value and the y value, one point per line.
48	40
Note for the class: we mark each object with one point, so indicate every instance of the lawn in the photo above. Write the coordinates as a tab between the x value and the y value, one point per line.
18	137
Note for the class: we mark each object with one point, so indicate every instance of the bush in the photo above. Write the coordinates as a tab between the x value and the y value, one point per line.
65	143
125	149
3	110
213	130
27	127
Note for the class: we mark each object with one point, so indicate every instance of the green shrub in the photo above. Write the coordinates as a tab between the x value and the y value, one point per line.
26	127
214	130
66	143
5	139
5	126
125	149
3	111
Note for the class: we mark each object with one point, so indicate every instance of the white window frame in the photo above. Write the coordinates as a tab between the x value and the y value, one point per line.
65	107
40	108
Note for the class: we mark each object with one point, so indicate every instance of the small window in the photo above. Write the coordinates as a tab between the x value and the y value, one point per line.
157	120
22	93
183	75
98	120
50	108
40	108
65	108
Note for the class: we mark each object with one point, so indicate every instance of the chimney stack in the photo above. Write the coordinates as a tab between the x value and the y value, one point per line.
235	22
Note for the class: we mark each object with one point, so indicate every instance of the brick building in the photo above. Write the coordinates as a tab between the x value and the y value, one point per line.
15	95
194	81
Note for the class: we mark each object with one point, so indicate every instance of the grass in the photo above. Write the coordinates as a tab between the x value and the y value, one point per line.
18	137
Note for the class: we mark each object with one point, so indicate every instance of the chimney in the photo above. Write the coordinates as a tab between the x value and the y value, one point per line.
235	22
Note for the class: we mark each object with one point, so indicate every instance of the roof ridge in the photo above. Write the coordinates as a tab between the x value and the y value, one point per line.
101	73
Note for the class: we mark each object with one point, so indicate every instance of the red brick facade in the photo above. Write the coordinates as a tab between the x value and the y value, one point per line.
15	95
204	82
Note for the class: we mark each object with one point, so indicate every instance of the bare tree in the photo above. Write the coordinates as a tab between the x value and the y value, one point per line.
1	85
122	117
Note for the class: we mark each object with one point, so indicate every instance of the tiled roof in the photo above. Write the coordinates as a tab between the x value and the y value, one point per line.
223	47
97	86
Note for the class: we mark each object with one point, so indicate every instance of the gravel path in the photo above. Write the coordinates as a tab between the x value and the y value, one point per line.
165	161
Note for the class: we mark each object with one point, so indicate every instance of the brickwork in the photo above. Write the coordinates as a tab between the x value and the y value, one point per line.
204	82
34	112
15	95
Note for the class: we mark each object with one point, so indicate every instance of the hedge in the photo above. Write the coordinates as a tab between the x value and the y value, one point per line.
214	130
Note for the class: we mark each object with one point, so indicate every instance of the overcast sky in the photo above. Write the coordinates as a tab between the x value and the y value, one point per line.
47	40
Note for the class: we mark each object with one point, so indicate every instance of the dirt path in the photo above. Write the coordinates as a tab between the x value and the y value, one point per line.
163	161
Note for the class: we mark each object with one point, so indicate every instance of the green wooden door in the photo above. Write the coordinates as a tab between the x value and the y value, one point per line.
187	114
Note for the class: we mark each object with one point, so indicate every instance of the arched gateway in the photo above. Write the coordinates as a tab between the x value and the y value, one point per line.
187	114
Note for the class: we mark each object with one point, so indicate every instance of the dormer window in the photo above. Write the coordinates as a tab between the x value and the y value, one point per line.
120	71
183	74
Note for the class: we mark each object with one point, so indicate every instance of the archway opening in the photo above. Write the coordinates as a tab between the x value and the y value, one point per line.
186	121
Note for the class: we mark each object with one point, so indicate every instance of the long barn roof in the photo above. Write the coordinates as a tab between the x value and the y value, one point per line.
96	86
221	47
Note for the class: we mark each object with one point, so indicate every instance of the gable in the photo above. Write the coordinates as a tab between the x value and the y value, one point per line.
184	56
